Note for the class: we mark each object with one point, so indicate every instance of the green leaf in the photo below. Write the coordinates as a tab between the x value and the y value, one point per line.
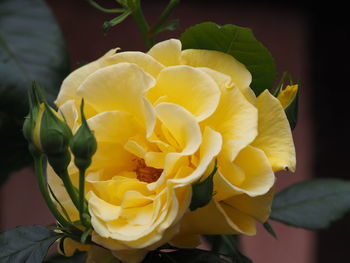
31	48
269	229
238	42
312	204
202	192
292	111
76	258
26	244
14	150
227	245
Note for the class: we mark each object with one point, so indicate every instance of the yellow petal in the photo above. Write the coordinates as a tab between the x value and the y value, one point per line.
259	207
188	87
241	222
70	113
259	177
236	119
61	194
167	52
223	63
210	147
229	175
114	126
145	61
224	81
70	246
71	84
275	137
119	87
102	209
111	158
207	220
182	126
184	129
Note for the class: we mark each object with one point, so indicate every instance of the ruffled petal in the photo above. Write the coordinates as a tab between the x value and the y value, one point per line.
145	61
167	52
221	62
71	84
188	87
114	126
119	87
236	119
275	136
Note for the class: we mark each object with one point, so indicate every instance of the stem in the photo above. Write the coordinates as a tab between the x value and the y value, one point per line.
105	10
45	193
82	195
164	16
142	24
69	188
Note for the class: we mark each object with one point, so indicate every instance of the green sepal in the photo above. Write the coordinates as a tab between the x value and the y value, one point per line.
238	42
202	192
269	229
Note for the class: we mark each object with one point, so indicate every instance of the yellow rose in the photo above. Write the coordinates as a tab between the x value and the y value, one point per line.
160	120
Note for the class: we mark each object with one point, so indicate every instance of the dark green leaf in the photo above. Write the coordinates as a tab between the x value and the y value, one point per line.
14	151
312	204
269	229
76	258
202	192
292	111
238	42
27	244
227	245
31	48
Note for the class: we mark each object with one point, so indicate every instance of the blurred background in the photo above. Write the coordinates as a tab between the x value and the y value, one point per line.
306	39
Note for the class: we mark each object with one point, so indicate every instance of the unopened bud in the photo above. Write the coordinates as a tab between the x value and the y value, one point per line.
287	95
83	144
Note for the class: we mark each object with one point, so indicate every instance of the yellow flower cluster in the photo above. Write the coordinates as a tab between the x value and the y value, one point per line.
161	119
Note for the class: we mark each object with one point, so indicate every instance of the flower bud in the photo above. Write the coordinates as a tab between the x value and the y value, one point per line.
287	95
31	119
83	144
51	133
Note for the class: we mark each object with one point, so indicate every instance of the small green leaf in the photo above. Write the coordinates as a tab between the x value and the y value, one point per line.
26	244
269	229
238	42
202	192
312	204
227	245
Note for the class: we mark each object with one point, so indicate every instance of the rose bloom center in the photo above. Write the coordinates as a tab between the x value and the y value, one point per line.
145	173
